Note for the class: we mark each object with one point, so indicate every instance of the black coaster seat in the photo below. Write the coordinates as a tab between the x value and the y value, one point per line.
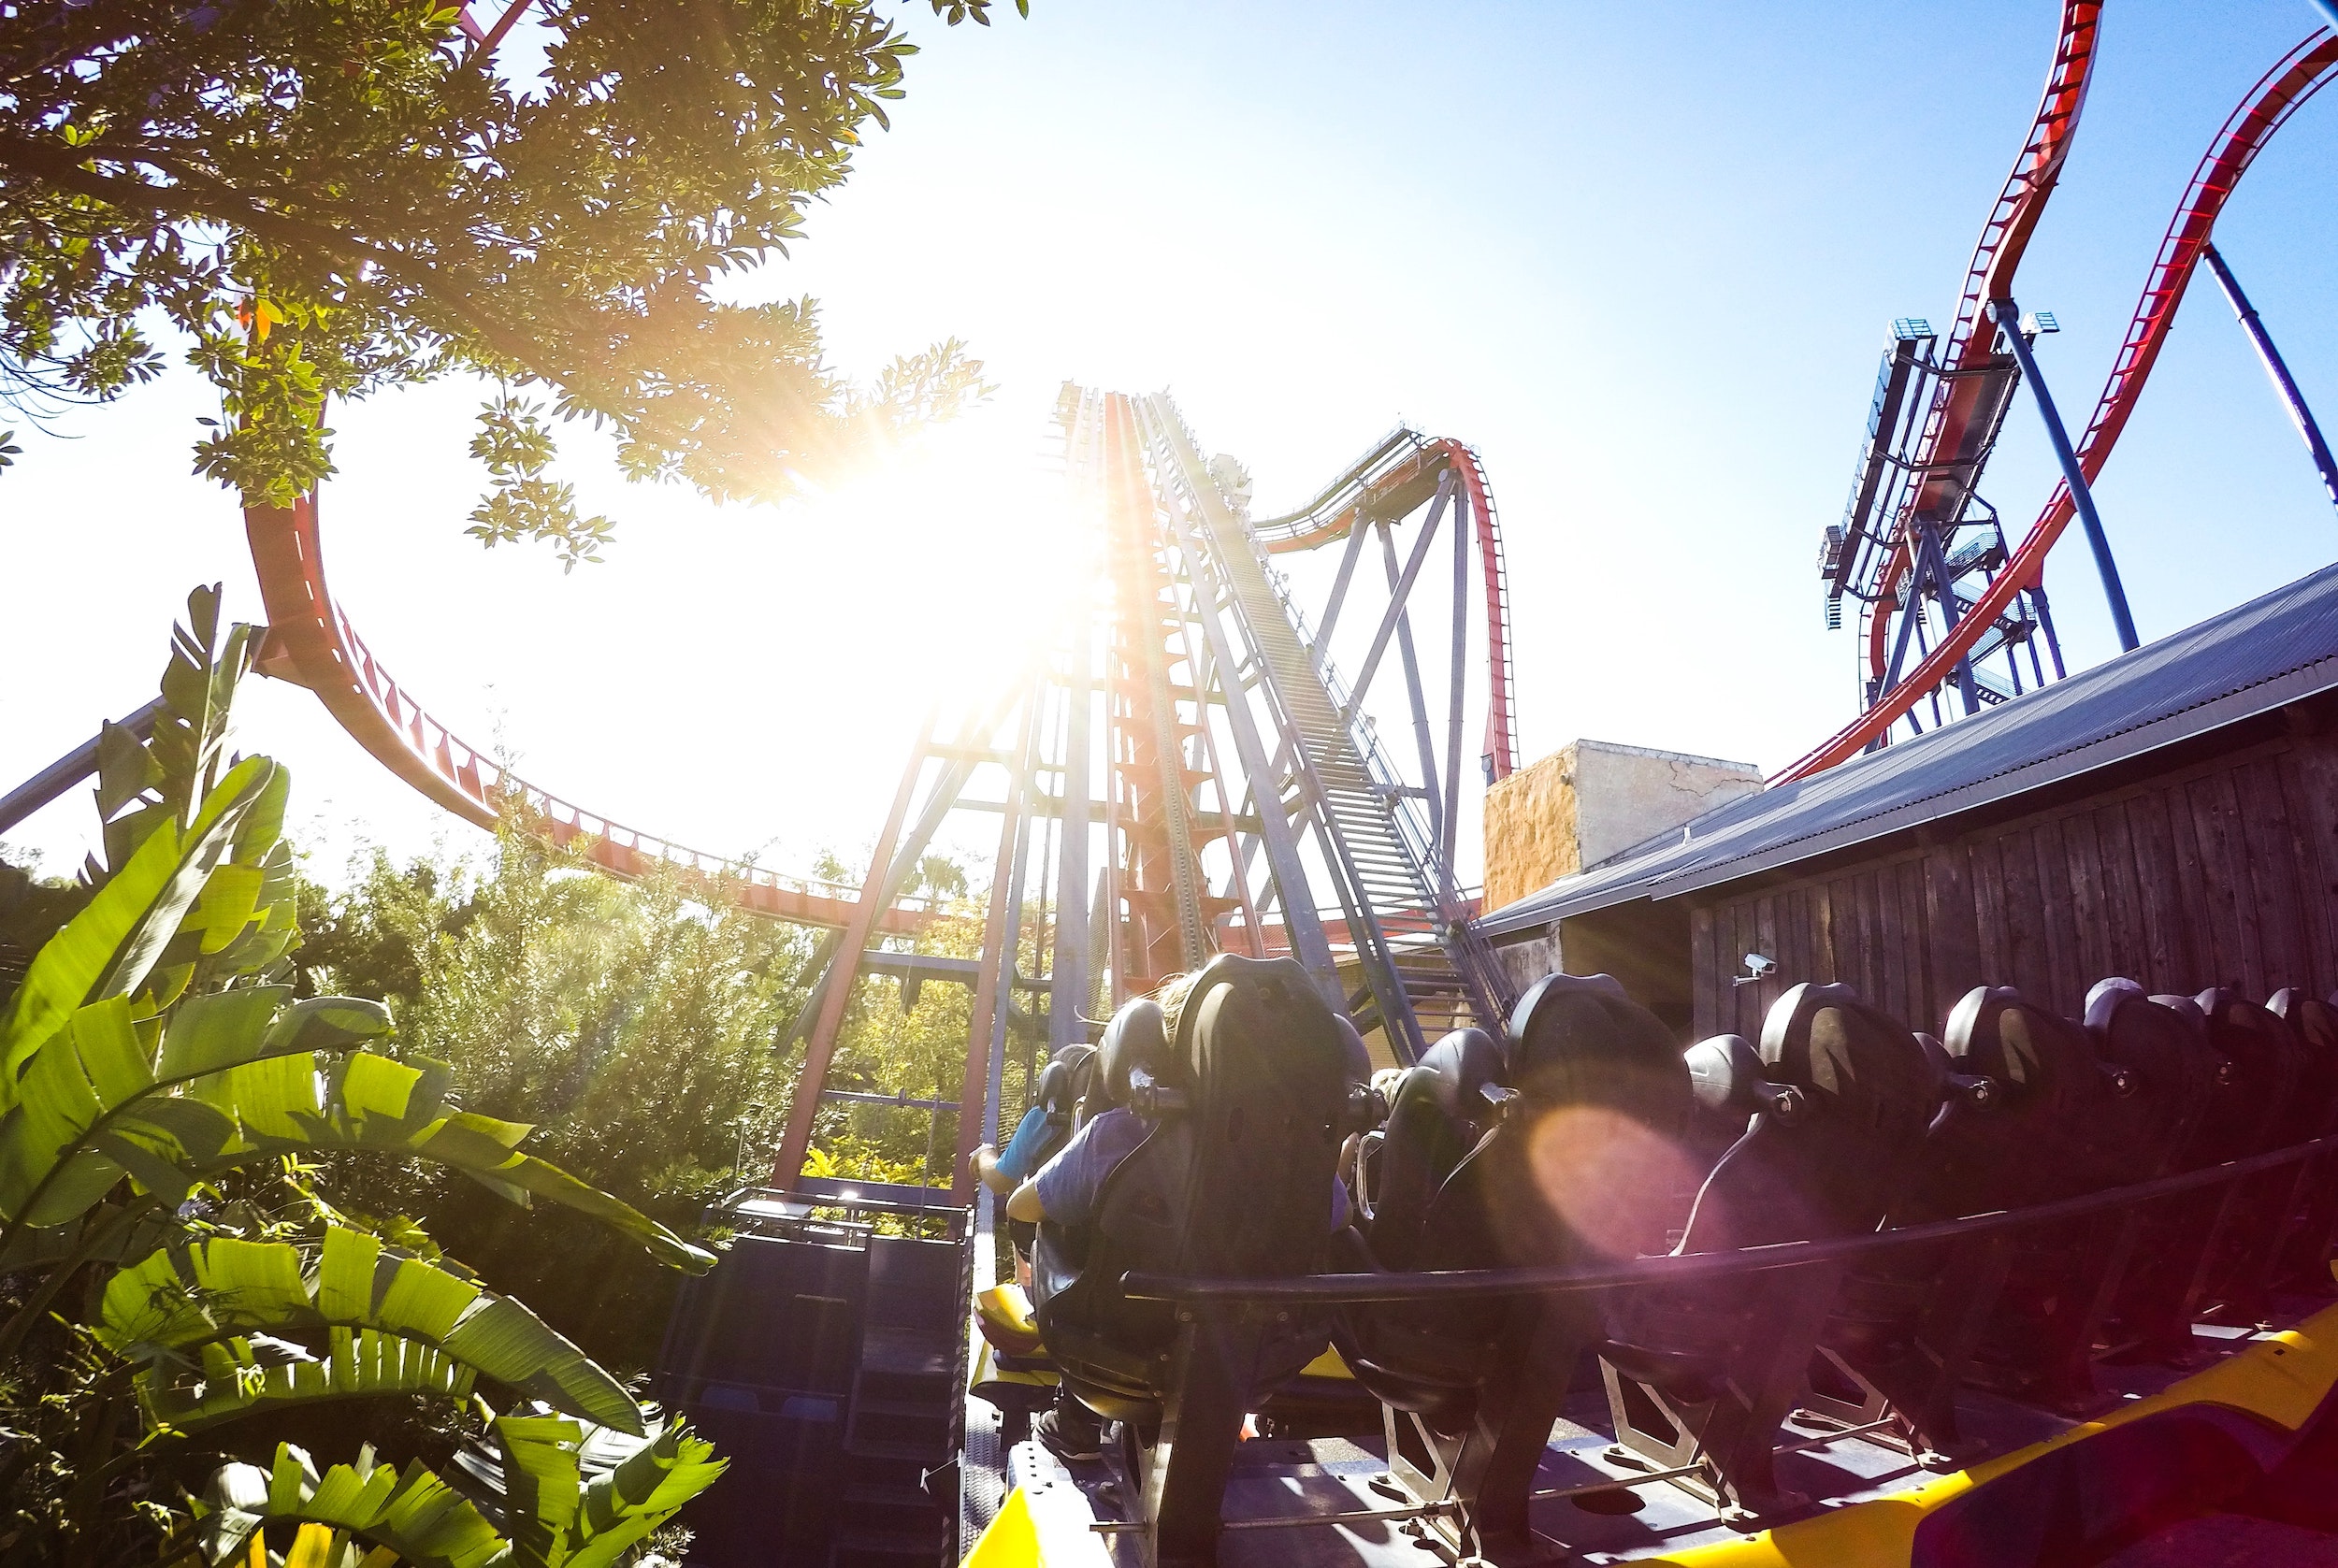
1421	1203
1542	1153
2173	1075
1243	1081
2230	1116
2186	1103
2018	1090
2314	1023
1326	1399
2269	1069
2271	1082
1702	1374
2062	1120
1598	1169
1559	1147
2304	1261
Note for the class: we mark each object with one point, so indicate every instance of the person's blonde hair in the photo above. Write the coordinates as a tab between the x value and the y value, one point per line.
1173	994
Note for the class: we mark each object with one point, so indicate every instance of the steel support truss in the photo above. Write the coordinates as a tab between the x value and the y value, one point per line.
1187	772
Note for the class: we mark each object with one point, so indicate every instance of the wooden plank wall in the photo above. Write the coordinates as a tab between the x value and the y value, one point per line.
2225	873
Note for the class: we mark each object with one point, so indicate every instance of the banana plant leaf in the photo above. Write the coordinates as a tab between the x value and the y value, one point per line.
235	1378
411	1512
557	1518
348	1319
110	946
242	1077
91	1108
564	1523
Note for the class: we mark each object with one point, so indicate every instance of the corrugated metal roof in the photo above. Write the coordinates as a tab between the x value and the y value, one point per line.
2271	650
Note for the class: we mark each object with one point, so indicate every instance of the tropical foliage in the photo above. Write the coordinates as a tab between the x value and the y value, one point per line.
634	1027
651	1037
322	198
180	1296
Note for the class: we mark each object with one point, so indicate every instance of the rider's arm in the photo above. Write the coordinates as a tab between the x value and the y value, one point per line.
1064	1190
1036	1139
1004	1171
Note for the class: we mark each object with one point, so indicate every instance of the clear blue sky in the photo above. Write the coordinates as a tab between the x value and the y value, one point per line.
1642	256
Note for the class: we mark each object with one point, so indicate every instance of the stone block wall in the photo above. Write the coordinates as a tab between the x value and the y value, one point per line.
1589	801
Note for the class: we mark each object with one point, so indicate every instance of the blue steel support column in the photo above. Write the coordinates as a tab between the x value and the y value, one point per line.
1412	690
1397	593
1944	589
2008	316
2046	622
985	1063
68	770
2299	415
1339	588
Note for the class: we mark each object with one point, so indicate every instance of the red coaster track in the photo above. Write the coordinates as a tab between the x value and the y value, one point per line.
1996	256
1389	481
2276	96
310	641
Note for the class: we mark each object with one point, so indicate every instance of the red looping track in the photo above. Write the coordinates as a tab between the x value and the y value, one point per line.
1996	256
2278	95
1391	481
311	643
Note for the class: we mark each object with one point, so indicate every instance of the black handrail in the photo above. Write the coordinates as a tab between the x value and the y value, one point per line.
955	1215
1472	1284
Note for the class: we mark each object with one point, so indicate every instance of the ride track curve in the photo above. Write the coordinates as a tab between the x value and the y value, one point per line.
2268	105
1995	257
310	641
1389	481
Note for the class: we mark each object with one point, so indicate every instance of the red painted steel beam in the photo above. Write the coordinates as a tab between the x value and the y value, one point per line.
310	643
820	1046
2279	93
1162	832
485	39
1996	256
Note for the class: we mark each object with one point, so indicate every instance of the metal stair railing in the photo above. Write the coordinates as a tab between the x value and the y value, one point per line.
1361	867
1472	956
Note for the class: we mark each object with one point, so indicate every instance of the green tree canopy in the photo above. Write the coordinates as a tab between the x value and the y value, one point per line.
326	197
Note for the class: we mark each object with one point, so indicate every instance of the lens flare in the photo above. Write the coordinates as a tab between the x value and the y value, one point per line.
1614	1181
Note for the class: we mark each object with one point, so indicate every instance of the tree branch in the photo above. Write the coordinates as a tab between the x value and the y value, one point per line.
68	170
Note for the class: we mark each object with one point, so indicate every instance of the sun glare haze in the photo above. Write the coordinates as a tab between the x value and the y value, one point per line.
1209	205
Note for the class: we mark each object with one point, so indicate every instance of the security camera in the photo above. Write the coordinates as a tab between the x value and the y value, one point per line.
1758	969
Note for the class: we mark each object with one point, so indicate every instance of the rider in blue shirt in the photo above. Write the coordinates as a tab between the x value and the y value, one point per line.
1036	1139
1064	1190
1043	1130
